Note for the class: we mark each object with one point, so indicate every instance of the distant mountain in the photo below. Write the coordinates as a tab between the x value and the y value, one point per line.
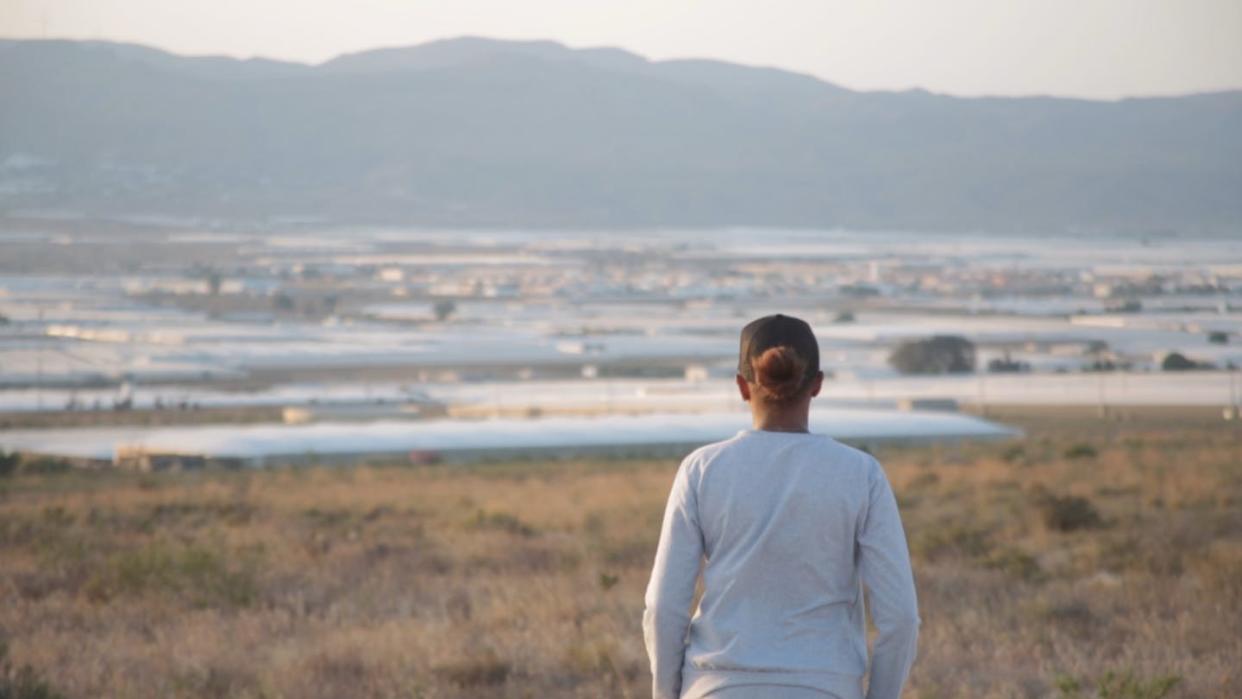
476	131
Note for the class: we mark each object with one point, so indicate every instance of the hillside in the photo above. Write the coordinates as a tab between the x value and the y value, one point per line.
1093	559
483	132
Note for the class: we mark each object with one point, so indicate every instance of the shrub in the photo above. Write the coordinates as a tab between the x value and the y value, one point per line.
1016	563
504	522
1008	365
953	539
941	354
22	682
484	671
1013	453
8	463
1124	685
216	681
41	465
1125	306
1068	513
1176	361
1080	451
592	658
1127	686
201	575
1075	616
626	552
283	302
925	479
443	309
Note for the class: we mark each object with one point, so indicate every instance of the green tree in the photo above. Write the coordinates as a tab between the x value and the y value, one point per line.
443	309
940	354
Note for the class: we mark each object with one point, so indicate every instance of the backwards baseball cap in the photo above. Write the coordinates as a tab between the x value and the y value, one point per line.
777	331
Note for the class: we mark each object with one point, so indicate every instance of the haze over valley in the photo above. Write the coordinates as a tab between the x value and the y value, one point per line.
480	132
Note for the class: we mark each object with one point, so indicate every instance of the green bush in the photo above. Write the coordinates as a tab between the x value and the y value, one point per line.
1176	361
200	575
1119	685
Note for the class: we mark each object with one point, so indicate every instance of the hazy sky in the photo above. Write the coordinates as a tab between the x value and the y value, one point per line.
1090	48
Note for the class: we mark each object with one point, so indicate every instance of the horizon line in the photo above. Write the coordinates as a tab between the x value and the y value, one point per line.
458	37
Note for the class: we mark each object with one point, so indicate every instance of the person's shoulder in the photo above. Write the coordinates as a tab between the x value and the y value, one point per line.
708	453
851	457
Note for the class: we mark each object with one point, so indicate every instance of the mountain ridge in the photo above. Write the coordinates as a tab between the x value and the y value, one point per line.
477	131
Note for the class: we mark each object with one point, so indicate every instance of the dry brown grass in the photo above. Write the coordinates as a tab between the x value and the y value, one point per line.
526	580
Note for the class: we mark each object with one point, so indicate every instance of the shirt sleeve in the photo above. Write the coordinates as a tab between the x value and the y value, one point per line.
666	618
884	566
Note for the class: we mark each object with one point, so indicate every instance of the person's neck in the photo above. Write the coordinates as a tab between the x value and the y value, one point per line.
781	421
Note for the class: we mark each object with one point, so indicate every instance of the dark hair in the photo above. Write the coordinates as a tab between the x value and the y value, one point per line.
780	374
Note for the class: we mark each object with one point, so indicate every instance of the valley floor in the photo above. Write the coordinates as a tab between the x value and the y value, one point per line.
1089	558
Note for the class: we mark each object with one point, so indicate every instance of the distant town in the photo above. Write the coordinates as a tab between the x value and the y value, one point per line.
110	326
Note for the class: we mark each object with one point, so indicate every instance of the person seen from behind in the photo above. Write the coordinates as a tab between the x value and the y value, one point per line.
792	526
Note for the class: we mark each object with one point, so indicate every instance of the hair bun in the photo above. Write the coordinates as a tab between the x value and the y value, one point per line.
780	372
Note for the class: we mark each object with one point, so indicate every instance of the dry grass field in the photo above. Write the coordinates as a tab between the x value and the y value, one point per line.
1078	562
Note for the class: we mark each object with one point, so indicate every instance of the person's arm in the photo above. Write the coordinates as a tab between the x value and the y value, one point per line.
884	565
666	617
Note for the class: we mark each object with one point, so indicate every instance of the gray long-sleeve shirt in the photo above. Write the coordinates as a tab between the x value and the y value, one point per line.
792	527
